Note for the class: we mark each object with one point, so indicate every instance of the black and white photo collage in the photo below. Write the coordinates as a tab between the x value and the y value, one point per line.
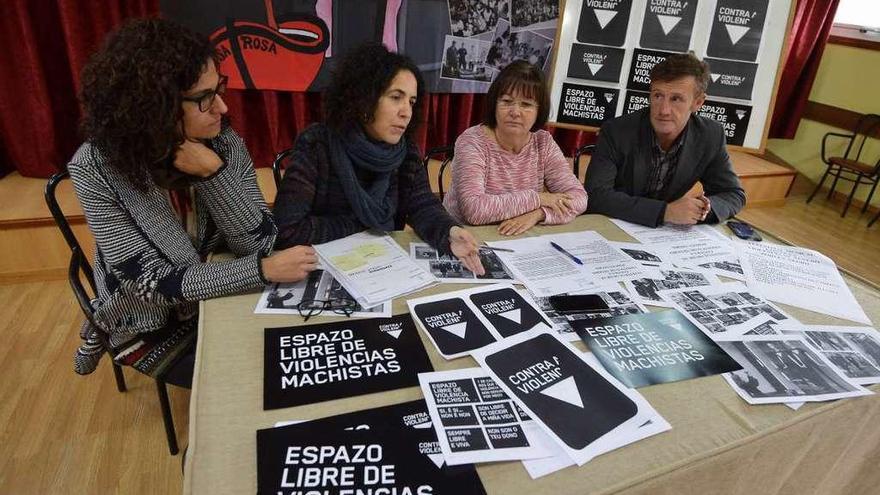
486	35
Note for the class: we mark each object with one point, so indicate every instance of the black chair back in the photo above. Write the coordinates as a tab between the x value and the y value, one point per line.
64	225
444	154
278	166
586	149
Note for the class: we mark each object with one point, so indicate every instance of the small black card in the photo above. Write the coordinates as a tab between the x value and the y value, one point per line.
586	105
508	311
737	26
604	22
453	327
668	25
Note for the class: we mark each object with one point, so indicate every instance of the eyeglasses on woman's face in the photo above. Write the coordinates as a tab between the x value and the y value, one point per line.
205	100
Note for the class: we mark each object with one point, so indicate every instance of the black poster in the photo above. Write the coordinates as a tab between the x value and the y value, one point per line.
731	79
390	449
635	101
508	311
586	105
736	29
578	404
599	63
668	24
604	22
314	363
734	118
653	348
643	61
453	327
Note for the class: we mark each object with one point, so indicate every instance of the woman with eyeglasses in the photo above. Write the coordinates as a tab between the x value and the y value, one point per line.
360	169
508	169
163	181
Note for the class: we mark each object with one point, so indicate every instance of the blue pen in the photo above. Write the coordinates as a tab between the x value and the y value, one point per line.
563	251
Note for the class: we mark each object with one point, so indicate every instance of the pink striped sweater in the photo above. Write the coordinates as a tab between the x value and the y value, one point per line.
490	184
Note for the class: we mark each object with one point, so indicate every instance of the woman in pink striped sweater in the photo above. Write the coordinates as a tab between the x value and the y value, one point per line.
508	169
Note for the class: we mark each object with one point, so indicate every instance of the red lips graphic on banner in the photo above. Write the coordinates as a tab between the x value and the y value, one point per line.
286	57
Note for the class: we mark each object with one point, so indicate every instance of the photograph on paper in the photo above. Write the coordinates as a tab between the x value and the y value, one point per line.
855	350
534	14
785	369
641	253
448	269
646	289
725	310
616	302
318	287
465	59
474	17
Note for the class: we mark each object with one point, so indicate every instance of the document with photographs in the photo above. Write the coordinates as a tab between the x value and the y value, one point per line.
560	459
799	277
318	288
605	263
727	311
372	267
448	269
854	350
642	253
462	321
581	406
669	233
646	289
477	422
543	269
604	302
784	368
700	246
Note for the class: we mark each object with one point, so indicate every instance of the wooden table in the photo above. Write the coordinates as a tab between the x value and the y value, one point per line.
718	444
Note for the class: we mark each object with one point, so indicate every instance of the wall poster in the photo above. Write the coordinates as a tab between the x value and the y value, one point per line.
605	50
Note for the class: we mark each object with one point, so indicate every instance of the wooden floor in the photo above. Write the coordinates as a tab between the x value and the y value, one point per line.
70	434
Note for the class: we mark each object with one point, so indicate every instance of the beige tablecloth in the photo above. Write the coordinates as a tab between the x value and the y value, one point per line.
718	444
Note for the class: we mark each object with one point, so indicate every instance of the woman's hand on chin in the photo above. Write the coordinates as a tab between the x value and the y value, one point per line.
466	248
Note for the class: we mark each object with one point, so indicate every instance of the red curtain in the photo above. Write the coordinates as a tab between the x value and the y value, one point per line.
44	45
806	43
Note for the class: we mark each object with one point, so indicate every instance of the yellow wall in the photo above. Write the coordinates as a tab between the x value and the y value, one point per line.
847	78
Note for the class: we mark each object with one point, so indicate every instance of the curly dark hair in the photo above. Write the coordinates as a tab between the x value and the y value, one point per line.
131	93
680	65
521	77
358	82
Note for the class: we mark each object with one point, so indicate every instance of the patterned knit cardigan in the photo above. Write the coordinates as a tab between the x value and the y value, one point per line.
150	273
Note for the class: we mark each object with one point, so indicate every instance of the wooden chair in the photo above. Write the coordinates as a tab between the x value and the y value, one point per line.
444	154
80	269
852	166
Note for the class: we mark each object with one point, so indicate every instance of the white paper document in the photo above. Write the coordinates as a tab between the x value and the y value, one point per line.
784	368
668	233
541	268
799	277
449	269
318	287
477	422
373	268
604	262
726	311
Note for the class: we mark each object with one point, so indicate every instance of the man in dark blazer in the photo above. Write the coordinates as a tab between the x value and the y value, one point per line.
646	162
